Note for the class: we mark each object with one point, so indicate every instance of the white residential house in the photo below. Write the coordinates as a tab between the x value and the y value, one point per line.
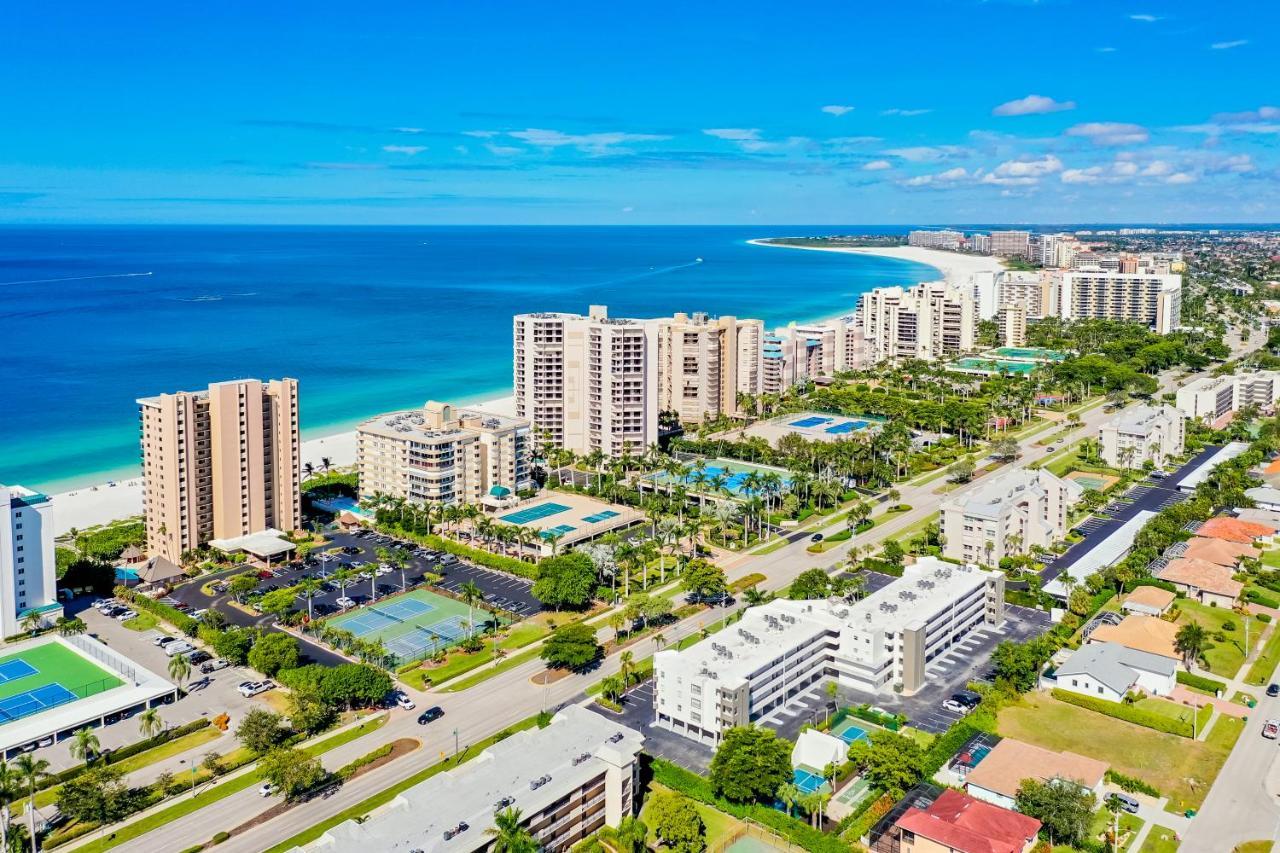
1007	514
1111	671
1142	433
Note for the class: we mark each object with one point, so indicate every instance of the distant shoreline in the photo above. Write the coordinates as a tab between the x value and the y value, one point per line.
952	265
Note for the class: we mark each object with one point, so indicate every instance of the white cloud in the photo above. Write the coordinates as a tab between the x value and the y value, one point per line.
1146	19
481	134
929	153
1110	132
1180	178
950	176
836	109
734	134
1091	175
590	143
1156	169
1228	45
1032	105
1125	168
404	149
877	166
1260	114
749	139
898	111
628	209
461	149
1105	50
407	129
1023	172
502	150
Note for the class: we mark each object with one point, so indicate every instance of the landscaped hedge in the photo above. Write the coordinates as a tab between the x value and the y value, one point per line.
1131	585
494	561
699	788
1258	598
1132	784
170	614
1128	713
746	581
1263	617
1200	682
127	751
348	770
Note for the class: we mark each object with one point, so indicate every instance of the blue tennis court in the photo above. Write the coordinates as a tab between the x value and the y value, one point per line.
807	781
603	515
533	513
376	617
25	704
846	427
850	732
14	669
441	634
810	423
558	530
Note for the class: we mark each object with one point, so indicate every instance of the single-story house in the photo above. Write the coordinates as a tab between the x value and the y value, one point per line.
1111	671
265	548
1258	514
160	570
1206	582
997	778
1148	601
817	749
1219	551
1144	633
1264	497
1236	530
958	823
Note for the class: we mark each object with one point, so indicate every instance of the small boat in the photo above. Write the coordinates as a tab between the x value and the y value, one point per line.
697	260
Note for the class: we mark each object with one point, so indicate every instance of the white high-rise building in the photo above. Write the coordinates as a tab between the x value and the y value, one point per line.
1152	299
1036	291
986	293
801	353
28	577
588	382
935	239
705	363
1013	325
1011	244
929	321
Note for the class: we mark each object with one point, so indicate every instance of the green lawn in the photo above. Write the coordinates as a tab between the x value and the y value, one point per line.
1224	657
459	663
1261	670
144	621
1163	760
1173	710
55	663
719	826
1102	822
1271	557
1160	839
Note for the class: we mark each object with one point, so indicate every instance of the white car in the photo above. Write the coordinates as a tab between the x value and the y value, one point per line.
345	602
405	702
178	648
126	615
384	569
267	789
253	688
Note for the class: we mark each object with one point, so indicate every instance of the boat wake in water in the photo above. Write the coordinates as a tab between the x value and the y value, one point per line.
74	278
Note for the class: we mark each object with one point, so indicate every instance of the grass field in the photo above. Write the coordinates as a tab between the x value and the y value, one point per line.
720	826
1160	839
56	664
1225	656
1129	826
1169	762
1261	669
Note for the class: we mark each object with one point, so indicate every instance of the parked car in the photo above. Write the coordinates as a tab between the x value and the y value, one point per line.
817	537
214	665
253	688
178	648
199	656
267	789
1271	729
962	702
405	702
1273	690
1126	802
345	602
430	715
164	641
450	834
126	615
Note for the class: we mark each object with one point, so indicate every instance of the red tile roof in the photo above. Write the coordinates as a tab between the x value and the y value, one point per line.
1235	530
969	825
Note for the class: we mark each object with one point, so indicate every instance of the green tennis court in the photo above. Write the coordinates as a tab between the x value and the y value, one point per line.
47	675
414	624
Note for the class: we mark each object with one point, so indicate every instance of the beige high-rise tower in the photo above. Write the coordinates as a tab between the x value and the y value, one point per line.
220	463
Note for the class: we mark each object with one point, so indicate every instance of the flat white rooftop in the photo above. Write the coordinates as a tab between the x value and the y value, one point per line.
1201	473
575	748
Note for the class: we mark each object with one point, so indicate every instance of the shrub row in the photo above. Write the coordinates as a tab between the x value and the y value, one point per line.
1132	784
746	582
1263	617
126	751
476	555
170	614
1128	713
348	770
793	829
1258	598
1200	682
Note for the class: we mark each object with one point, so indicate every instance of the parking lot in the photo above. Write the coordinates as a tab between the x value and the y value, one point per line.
637	712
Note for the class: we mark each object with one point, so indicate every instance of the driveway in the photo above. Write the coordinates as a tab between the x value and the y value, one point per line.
637	712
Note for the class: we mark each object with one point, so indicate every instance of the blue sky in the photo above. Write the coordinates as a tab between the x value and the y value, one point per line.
693	112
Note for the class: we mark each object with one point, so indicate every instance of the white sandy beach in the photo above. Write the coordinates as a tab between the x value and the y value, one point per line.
93	505
953	265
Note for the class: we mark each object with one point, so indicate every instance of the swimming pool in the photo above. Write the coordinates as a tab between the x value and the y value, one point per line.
1032	353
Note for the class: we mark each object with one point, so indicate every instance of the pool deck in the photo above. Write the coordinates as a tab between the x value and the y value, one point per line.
578	517
815	426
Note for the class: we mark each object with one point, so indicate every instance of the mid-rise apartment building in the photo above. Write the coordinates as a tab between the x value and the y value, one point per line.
568	780
704	363
1012	320
781	649
980	243
1152	299
1005	515
1213	399
1011	244
588	382
1142	433
801	353
28	576
440	454
220	463
929	321
935	239
1037	291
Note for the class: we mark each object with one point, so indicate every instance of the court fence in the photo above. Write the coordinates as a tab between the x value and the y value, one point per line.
102	655
51	696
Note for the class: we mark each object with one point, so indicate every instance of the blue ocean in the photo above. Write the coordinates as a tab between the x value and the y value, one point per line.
368	319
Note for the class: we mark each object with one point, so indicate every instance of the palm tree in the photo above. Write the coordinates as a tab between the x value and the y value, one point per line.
68	627
626	667
308	588
616	621
84	745
789	794
10	789
612	686
33	771
470	594
325	464
509	836
32	622
149	723
1190	642
179	668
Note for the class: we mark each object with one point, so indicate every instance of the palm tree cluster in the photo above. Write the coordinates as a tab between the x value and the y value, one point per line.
426	519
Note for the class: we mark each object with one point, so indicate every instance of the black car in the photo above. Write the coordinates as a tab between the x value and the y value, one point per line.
817	537
430	715
200	657
350	549
1273	690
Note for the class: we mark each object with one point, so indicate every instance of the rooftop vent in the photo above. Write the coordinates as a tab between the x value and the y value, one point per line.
586	756
615	737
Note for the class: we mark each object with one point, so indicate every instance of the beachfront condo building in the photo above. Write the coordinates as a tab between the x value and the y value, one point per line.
704	363
929	321
221	463
784	648
1005	515
1153	299
1011	244
1036	291
28	577
1140	434
803	353
1213	400
935	239
1012	320
440	454
588	383
566	781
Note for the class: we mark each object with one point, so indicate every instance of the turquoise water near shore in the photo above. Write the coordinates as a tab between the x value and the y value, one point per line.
368	319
